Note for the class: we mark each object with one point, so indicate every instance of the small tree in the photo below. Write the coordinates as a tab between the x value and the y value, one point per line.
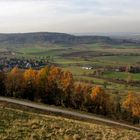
30	84
132	104
100	99
14	83
2	83
67	85
81	96
53	90
41	83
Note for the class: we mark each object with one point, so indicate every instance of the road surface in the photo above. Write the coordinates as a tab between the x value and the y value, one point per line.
66	112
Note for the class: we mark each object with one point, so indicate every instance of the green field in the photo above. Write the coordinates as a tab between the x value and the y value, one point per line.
122	75
74	57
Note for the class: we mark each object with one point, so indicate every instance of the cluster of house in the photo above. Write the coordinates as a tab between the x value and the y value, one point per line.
87	68
131	69
23	63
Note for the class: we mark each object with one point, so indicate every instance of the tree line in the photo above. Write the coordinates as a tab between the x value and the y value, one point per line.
52	85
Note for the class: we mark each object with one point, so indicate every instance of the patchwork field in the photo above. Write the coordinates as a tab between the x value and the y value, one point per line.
19	124
74	57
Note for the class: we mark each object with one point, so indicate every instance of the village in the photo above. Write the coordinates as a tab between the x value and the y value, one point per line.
6	63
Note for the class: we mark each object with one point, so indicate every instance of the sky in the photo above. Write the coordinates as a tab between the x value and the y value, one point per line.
69	16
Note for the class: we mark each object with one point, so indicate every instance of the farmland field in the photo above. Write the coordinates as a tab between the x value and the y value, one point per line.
122	75
74	57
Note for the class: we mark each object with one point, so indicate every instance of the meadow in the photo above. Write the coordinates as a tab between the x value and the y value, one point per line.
74	57
19	124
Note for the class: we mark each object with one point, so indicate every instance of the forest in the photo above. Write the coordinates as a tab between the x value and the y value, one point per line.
54	86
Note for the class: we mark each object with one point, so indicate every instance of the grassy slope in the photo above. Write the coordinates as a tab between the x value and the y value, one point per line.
19	124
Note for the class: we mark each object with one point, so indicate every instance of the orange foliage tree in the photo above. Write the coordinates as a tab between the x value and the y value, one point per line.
30	76
100	100
41	83
81	96
66	85
132	104
53	88
14	82
30	83
52	85
2	83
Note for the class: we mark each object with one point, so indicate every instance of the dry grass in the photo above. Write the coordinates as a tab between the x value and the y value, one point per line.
18	125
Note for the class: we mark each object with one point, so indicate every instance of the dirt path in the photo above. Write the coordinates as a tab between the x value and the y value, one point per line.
66	112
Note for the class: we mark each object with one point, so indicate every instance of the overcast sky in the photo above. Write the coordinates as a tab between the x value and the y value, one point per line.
71	16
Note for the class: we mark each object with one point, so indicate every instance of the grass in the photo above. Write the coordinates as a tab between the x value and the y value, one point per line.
58	51
73	57
83	75
78	70
122	75
20	124
32	50
39	50
120	59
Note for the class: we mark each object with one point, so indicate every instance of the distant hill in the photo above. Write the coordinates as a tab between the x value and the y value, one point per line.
61	38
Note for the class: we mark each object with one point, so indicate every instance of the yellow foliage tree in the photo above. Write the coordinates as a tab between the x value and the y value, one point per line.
66	85
14	82
81	95
41	82
100	99
30	75
15	70
132	104
41	76
67	81
98	95
30	84
54	73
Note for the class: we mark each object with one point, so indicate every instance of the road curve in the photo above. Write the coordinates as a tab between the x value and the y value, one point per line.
66	112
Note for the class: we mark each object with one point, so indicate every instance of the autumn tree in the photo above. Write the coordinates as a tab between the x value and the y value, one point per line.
2	83
78	96
81	96
100	100
30	84
53	89
59	86
14	83
41	83
115	107
52	85
132	104
67	85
